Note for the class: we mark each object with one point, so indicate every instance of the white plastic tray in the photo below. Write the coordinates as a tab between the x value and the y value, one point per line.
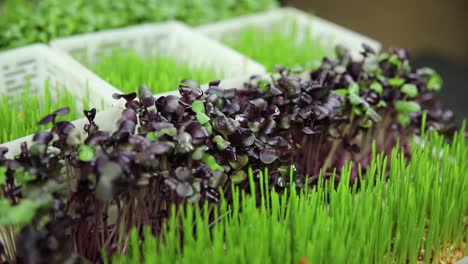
37	63
329	33
172	39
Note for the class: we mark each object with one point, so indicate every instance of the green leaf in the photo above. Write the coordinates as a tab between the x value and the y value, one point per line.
382	56
354	99
198	107
211	162
238	176
221	143
151	136
410	89
357	111
376	86
435	82
3	171
86	153
353	88
19	214
241	161
342	92
366	123
170	131
199	152
202	118
404	119
209	127
382	103
23	176
396	82
263	84
407	106
395	60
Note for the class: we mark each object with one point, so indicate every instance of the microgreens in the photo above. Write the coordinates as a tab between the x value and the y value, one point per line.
405	214
293	48
24	22
172	150
161	73
20	118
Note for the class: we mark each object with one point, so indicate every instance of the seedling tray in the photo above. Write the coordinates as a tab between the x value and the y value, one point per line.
171	39
106	121
329	34
33	65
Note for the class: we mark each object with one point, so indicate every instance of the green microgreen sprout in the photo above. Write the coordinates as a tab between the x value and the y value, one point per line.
406	213
292	48
161	73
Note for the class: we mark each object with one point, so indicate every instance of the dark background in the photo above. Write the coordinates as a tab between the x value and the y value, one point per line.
436	32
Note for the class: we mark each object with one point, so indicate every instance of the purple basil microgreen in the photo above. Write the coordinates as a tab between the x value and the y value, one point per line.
160	148
97	138
47	119
62	111
402	54
43	137
90	114
184	189
268	156
183	173
3	151
225	125
129	98
184	142
145	96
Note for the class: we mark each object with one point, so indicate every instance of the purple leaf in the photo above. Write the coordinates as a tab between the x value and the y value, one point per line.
43	137
62	111
184	189
268	155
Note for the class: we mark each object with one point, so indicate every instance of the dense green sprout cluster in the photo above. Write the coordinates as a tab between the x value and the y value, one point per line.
19	118
24	21
296	47
161	73
404	211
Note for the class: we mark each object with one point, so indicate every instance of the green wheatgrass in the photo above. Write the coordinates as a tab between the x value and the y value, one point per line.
127	71
20	118
278	47
384	221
